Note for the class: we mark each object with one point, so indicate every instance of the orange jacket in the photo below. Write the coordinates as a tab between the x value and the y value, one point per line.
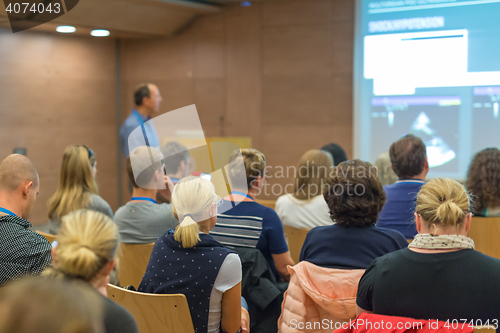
317	298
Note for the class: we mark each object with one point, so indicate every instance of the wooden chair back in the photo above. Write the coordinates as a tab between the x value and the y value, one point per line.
267	203
485	232
296	238
155	313
132	263
49	237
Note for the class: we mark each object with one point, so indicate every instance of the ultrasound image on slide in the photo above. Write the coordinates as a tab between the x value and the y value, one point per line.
485	118
432	118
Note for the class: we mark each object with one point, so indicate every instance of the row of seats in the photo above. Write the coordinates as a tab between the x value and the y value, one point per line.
156	313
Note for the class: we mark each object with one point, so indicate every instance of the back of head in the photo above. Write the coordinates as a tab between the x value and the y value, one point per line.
354	194
142	163
43	305
313	173
408	156
76	183
141	91
87	241
193	200
254	162
174	153
385	174
15	170
483	179
443	201
337	152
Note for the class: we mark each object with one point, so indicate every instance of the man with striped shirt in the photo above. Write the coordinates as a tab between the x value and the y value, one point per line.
245	223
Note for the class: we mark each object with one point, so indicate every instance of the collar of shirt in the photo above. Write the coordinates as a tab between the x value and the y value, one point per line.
419	181
15	219
143	117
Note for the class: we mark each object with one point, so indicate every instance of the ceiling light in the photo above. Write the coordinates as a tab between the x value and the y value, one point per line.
65	29
99	33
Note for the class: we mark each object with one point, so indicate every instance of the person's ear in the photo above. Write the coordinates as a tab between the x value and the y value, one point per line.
258	182
54	256
426	165
391	167
468	221
106	270
418	222
213	210
27	188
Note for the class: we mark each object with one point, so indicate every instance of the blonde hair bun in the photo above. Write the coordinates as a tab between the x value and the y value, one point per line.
87	241
443	201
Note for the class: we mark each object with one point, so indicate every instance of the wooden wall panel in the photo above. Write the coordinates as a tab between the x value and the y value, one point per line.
278	71
297	51
295	13
57	91
244	88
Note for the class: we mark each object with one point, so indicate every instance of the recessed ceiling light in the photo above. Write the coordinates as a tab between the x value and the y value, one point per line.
65	29
99	33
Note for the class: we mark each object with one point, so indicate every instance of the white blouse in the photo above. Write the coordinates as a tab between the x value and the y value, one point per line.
303	214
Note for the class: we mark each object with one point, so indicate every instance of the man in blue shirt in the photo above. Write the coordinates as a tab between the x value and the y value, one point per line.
147	100
409	162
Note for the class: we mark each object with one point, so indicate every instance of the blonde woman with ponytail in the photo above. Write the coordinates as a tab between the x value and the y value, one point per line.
85	251
189	261
77	187
440	275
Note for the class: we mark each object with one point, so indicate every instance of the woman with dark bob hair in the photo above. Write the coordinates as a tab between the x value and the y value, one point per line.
483	182
355	197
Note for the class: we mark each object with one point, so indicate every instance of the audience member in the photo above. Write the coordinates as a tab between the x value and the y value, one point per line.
306	207
385	173
147	101
189	261
176	160
77	187
354	197
440	275
409	162
142	220
483	181
42	305
247	223
337	152
22	251
85	251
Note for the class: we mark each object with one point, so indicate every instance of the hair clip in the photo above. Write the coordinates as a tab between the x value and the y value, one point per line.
443	199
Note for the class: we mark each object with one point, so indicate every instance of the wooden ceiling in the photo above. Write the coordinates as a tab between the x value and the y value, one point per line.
127	18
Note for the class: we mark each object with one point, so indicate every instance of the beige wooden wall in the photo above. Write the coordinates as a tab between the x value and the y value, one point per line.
57	91
278	71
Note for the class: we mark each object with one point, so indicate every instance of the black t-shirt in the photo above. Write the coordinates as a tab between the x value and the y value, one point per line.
349	247
455	285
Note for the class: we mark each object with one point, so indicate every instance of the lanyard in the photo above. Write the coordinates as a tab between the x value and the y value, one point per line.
141	123
6	211
143	198
242	194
